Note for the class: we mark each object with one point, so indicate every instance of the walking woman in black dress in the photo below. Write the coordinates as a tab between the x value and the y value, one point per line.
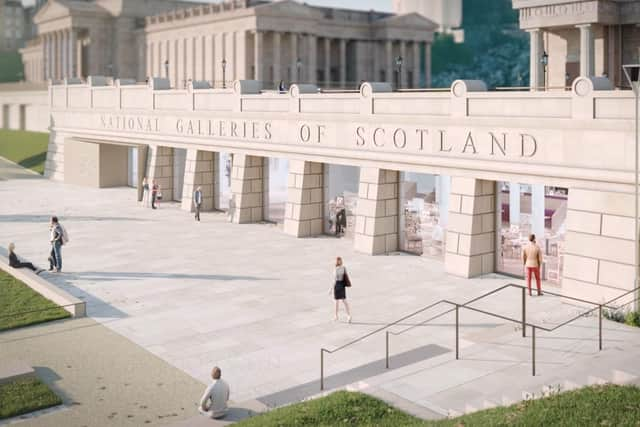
339	288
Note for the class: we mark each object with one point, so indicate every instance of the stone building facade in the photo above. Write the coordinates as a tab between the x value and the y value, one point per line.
78	38
581	38
232	40
15	25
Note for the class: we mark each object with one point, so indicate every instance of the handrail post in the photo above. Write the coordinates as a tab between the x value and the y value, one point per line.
524	313
321	369
600	326
457	332
387	357
533	349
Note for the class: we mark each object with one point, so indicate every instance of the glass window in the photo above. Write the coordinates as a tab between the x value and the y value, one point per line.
424	207
276	176
224	166
341	199
531	209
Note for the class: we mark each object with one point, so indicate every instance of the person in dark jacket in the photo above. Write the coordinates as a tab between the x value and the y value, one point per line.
15	262
55	258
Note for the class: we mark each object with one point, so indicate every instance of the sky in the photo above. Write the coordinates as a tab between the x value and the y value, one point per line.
380	5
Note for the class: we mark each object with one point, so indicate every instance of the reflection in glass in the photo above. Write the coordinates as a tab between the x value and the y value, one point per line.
132	167
224	181
526	209
341	194
179	166
276	175
424	204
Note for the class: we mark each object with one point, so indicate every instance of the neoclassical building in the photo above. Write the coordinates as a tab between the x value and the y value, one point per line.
77	38
581	38
233	40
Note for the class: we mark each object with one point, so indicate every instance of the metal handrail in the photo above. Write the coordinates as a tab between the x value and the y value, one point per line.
523	322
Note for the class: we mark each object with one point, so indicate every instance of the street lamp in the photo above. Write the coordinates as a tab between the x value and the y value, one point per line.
545	61
632	72
224	73
399	61
166	68
298	67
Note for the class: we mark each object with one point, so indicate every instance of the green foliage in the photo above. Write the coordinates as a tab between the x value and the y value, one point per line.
24	396
11	69
446	52
16	297
628	317
28	149
608	405
632	318
498	51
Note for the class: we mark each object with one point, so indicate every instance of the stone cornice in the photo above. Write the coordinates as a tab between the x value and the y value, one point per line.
563	13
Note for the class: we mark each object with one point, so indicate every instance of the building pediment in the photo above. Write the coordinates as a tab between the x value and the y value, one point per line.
410	20
57	9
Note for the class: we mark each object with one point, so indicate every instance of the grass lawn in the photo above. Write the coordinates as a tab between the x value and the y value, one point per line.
608	405
16	297
24	396
28	149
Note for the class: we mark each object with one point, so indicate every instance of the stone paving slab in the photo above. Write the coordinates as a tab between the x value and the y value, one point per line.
103	378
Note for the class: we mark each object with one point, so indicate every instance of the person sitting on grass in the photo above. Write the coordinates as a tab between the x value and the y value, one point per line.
14	261
214	400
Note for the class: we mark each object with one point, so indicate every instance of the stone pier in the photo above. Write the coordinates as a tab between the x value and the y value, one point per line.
199	172
304	210
247	187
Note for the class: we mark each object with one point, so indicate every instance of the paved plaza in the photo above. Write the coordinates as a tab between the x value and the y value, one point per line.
257	302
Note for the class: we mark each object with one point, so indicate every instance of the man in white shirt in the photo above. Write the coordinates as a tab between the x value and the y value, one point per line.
215	397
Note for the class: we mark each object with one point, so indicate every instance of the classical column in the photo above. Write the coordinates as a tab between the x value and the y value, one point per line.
327	61
80	72
376	61
72	53
54	55
427	64
586	50
277	57
312	73
247	187
46	57
258	46
536	71
149	59
294	58
389	58
416	64
405	64
377	213
64	47
305	191
343	63
471	229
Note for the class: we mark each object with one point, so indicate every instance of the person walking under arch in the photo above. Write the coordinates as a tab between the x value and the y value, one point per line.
341	282
197	202
532	260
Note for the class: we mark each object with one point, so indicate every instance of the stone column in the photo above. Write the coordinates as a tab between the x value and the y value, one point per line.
55	51
277	57
72	53
247	180
471	230
377	212
427	65
343	63
389	58
376	61
587	59
199	172
64	46
258	48
294	58
149	59
599	255
405	64
312	74
80	72
327	61
160	169
46	57
536	68
304	211
416	64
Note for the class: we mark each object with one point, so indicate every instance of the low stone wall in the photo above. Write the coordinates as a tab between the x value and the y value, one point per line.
73	305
